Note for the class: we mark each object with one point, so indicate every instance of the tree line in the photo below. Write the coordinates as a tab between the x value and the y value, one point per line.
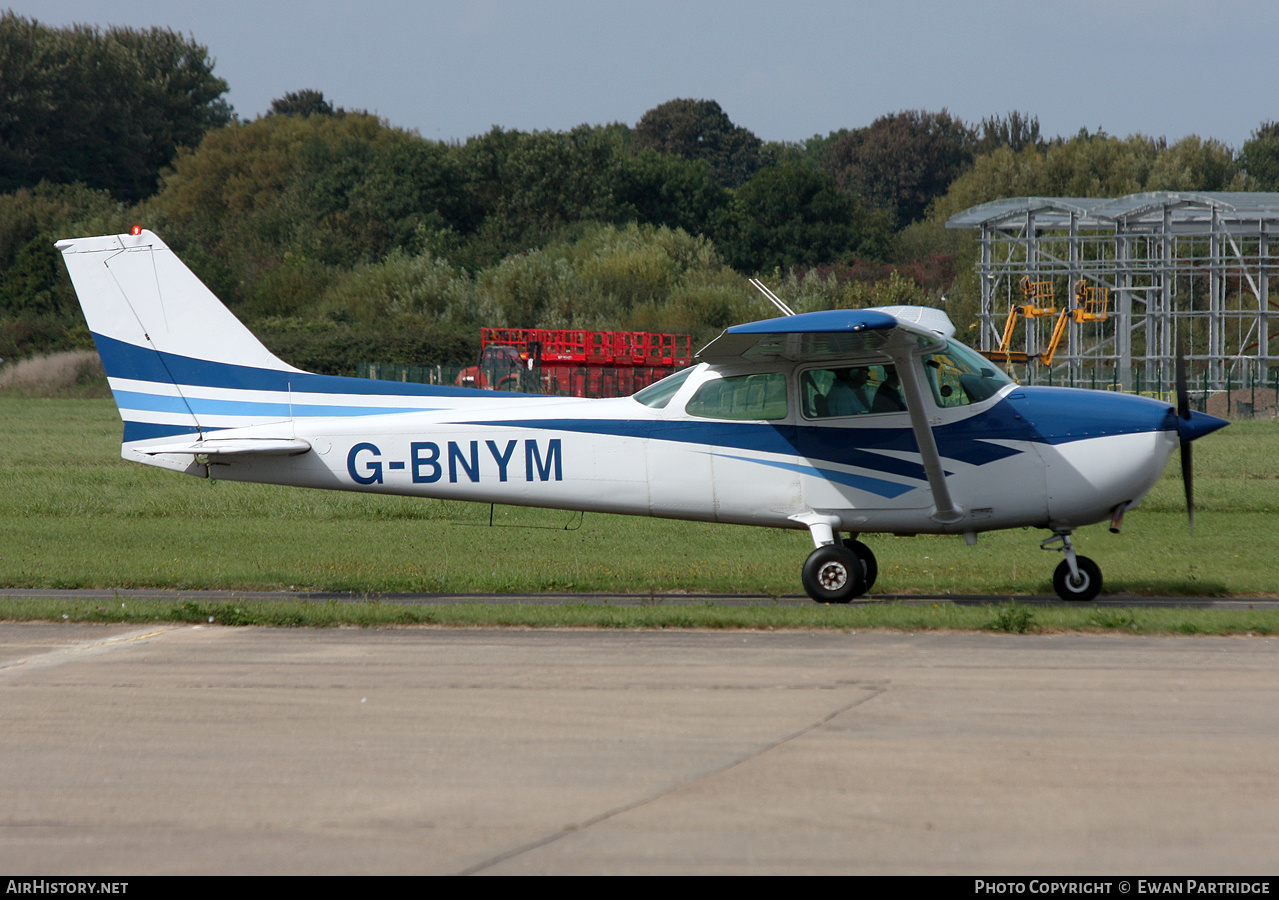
324	227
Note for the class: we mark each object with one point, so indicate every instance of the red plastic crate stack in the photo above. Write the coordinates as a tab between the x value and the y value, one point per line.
596	363
596	348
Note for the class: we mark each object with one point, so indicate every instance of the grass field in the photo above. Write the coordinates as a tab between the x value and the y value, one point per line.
73	514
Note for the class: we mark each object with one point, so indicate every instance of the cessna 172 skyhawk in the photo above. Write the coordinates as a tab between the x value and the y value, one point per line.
839	422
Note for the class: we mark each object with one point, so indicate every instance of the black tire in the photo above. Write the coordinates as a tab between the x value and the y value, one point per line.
1086	588
834	574
870	566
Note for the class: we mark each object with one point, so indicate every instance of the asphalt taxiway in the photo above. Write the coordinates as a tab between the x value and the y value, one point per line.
187	749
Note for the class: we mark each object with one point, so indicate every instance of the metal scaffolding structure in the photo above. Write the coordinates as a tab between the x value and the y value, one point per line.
1090	289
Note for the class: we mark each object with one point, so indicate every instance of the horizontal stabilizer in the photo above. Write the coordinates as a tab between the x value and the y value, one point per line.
234	447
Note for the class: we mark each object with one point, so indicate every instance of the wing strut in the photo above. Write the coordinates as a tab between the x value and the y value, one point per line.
908	372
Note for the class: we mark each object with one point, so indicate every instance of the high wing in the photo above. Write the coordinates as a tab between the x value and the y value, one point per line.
832	334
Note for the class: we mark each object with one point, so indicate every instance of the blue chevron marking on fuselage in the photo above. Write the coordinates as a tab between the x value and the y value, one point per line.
878	486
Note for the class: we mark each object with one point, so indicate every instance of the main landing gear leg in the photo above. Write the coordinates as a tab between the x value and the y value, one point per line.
1077	578
834	572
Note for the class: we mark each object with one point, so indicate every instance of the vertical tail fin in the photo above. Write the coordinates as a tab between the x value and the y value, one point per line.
180	364
167	343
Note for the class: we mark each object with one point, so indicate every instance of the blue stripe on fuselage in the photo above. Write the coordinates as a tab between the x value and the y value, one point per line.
124	360
843	446
876	486
149	431
200	406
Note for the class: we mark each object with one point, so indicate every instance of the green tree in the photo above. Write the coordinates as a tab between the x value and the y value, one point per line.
668	190
701	130
310	193
1194	164
794	216
1016	131
1094	165
524	188
902	162
305	102
38	309
108	109
1099	165
603	276
30	283
1260	156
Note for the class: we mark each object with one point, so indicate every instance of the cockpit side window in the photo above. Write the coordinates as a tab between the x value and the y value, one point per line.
959	376
850	391
761	396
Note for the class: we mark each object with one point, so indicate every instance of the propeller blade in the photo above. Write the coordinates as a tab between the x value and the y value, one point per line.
1183	392
1183	410
1188	480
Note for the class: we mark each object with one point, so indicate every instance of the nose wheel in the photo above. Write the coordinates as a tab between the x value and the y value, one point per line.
1082	587
1077	578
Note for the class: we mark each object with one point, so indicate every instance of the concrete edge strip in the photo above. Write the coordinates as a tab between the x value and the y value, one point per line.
83	650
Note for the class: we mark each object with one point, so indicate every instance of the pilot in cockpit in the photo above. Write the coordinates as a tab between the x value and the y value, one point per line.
846	396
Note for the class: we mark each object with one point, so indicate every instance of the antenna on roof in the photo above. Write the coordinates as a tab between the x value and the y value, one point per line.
772	298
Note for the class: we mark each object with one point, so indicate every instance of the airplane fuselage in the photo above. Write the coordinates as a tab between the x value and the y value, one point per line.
1042	457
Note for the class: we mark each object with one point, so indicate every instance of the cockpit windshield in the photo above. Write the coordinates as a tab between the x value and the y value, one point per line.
658	394
959	376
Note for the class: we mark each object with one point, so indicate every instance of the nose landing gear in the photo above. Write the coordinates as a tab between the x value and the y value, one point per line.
1077	578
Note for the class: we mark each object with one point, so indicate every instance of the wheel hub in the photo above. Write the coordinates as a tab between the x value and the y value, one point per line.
833	576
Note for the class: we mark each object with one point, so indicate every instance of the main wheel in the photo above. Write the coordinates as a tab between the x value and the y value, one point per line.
834	574
869	564
1082	589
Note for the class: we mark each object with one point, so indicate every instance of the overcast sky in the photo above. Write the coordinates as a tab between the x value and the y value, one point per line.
786	71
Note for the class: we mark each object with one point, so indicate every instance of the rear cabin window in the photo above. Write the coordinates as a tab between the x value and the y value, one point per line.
760	396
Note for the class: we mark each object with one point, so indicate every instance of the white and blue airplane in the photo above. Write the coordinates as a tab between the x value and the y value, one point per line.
843	422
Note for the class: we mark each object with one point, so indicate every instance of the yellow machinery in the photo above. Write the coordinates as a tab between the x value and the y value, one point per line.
1091	304
1036	293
